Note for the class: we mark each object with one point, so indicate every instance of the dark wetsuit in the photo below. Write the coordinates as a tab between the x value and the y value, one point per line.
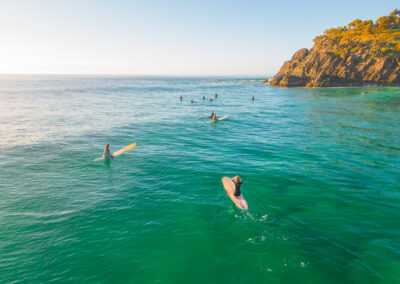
237	188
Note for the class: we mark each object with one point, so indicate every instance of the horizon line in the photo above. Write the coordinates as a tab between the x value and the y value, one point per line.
133	75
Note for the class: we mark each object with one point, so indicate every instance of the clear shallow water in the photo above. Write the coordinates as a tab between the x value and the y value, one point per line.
321	170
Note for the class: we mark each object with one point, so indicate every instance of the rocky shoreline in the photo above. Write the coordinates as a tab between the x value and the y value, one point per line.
362	53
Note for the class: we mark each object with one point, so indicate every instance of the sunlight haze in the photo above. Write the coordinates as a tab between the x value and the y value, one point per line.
166	37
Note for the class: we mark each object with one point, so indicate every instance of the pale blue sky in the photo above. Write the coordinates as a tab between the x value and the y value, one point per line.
167	37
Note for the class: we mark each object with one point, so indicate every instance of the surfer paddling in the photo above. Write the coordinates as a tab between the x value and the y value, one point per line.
106	153
232	188
238	183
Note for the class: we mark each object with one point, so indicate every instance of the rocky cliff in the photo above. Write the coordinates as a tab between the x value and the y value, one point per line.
361	53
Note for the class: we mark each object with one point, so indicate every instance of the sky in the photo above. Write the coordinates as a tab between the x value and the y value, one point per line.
171	37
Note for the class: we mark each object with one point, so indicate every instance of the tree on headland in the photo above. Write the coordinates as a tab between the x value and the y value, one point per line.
362	52
381	38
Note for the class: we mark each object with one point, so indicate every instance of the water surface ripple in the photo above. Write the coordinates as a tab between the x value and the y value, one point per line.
321	171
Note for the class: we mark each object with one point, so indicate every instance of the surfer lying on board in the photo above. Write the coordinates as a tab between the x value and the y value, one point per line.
106	153
238	183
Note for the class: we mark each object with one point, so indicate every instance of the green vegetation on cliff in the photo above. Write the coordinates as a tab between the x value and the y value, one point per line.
361	53
381	38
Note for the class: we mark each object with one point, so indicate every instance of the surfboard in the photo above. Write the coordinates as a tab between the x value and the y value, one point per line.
219	119
127	148
239	201
119	152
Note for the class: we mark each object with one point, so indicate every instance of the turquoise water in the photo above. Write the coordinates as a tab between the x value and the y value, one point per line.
320	169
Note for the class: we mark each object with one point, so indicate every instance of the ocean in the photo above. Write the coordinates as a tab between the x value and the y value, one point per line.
320	170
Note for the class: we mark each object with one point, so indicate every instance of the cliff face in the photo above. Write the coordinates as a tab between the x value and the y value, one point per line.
360	54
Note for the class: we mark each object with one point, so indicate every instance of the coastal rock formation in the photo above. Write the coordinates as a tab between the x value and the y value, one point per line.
361	53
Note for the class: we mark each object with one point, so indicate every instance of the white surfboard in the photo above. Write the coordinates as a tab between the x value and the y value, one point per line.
239	201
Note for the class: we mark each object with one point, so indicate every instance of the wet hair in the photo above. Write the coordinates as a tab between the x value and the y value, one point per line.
237	179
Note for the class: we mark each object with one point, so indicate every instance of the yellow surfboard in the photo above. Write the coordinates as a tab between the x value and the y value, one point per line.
219	119
119	152
127	148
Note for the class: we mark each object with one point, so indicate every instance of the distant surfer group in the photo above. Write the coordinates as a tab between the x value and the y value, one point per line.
211	98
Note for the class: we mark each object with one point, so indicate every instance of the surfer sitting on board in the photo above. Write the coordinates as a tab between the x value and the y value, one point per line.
212	114
106	153
238	183
214	118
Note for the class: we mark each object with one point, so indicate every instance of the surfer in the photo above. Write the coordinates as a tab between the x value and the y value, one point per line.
216	95
204	97
252	98
238	183
210	99
180	98
214	117
106	153
212	114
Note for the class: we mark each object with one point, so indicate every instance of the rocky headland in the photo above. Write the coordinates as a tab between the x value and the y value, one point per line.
361	53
